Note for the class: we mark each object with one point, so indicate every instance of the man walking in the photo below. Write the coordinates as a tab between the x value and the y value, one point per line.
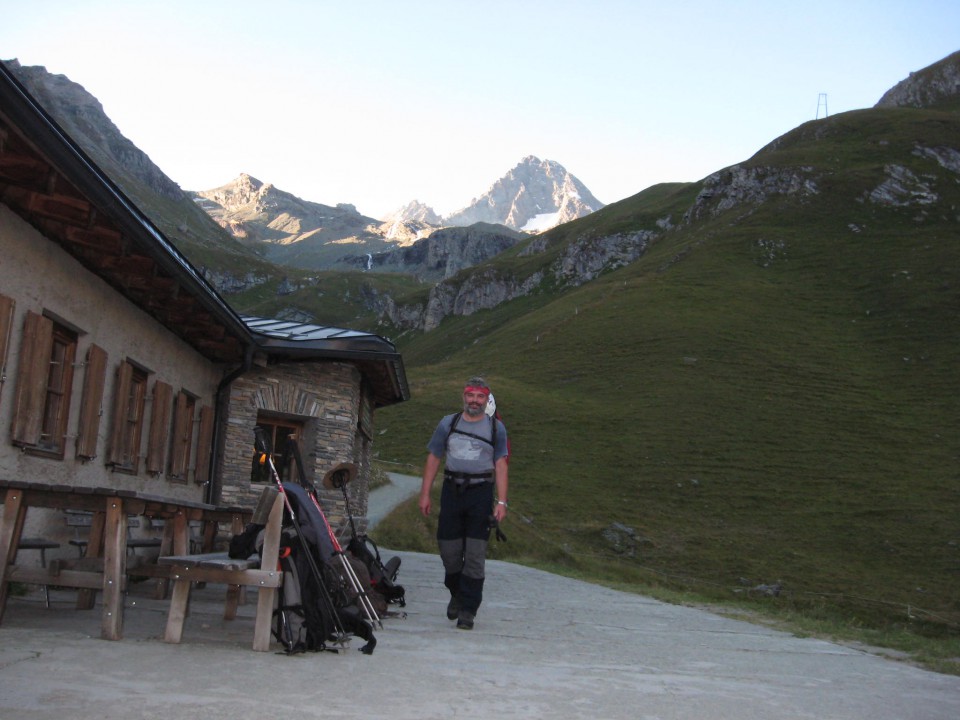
473	448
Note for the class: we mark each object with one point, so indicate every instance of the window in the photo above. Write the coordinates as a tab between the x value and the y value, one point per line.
59	384
182	435
129	401
44	383
277	432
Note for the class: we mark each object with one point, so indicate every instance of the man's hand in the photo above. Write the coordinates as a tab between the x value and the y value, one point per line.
430	468
495	526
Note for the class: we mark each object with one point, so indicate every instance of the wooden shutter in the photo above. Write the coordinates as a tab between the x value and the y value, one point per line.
365	417
91	402
35	349
159	426
6	325
182	432
201	472
121	400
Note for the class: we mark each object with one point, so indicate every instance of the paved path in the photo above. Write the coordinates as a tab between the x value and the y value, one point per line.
386	497
544	646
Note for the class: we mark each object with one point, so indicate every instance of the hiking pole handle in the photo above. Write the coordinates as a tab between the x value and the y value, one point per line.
495	526
260	442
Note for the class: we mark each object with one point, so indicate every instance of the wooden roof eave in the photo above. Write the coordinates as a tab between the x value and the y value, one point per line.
52	183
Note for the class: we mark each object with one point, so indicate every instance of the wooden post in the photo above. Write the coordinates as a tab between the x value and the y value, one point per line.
114	569
270	558
10	528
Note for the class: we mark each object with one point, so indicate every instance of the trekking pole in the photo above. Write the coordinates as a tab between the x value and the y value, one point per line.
365	602
351	574
336	479
260	445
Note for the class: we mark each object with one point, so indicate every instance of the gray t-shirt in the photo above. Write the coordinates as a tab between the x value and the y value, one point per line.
469	449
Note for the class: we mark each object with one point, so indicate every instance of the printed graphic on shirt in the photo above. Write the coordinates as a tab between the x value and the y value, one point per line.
466	448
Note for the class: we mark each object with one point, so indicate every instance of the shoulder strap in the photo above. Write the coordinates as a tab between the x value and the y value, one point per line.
453	428
454	419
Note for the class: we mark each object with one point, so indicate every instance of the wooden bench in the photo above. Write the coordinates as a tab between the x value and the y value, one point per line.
79	519
41	544
262	573
205	537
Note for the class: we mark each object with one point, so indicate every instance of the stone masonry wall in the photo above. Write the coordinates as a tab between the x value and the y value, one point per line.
326	398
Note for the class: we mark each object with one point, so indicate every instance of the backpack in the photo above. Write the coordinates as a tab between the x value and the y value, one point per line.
313	612
494	411
382	576
320	601
328	605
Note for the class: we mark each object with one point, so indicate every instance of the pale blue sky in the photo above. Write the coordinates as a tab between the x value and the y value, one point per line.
379	103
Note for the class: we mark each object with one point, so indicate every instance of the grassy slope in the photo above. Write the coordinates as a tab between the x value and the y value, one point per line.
754	416
331	298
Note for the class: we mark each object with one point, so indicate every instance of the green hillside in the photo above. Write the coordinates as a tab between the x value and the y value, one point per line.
769	396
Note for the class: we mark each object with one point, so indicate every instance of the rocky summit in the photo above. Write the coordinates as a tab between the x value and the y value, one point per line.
534	196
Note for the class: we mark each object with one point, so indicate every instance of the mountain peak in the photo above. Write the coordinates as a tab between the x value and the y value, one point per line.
534	196
248	179
416	211
240	191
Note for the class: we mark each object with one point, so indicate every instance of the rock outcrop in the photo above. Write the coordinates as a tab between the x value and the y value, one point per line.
927	88
442	254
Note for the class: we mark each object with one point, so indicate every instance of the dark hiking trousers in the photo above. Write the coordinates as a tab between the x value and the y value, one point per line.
463	530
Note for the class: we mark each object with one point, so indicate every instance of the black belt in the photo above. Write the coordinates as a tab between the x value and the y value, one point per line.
462	478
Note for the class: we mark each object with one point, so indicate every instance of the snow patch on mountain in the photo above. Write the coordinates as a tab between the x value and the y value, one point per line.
540	223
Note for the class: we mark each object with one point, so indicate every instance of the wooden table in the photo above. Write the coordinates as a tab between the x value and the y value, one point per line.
105	568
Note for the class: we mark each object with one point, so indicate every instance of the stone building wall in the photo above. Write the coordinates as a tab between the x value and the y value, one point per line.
328	399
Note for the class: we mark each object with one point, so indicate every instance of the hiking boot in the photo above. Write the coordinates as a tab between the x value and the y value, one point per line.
453	608
465	620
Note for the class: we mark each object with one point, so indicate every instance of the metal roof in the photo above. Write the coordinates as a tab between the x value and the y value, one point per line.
374	354
300	331
299	337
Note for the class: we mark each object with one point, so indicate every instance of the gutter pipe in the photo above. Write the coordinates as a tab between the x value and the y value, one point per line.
212	491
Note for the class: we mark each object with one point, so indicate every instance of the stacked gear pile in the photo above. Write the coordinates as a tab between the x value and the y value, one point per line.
327	595
383	576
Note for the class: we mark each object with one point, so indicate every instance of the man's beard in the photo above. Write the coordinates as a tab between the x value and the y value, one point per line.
473	410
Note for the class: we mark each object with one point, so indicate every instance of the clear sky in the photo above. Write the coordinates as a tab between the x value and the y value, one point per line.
377	103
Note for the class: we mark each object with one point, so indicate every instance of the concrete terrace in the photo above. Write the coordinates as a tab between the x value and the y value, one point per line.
544	647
